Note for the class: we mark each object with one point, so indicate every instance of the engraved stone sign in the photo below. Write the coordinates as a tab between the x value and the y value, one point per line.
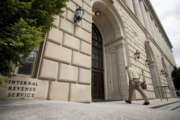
22	87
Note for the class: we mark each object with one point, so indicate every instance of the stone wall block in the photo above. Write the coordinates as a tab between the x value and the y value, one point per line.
81	33
78	2
71	42
42	89
71	5
87	7
88	17
81	60
70	15
59	91
85	76
86	25
80	93
68	72
55	35
49	69
58	52
85	48
88	2
67	26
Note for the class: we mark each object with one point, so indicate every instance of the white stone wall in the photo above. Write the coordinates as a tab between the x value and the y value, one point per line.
21	87
66	63
164	80
135	38
152	26
65	68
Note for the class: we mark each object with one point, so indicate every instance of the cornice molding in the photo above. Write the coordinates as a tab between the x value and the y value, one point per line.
152	11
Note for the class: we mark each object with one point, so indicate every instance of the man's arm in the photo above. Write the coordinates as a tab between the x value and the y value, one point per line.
129	75
143	77
140	76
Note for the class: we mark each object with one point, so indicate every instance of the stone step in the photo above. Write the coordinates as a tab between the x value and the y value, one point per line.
168	106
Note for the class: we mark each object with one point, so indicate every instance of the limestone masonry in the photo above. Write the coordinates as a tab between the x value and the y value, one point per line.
86	61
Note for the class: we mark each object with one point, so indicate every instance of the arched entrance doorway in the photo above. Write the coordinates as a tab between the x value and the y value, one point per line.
112	54
97	65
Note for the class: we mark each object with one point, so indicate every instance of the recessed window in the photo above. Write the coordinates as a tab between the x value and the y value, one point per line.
27	67
30	63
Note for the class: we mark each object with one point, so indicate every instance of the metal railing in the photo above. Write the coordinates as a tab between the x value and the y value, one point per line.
162	90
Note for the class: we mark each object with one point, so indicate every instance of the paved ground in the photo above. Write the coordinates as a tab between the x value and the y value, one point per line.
56	110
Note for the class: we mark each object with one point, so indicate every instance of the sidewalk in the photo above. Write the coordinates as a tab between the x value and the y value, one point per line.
58	110
154	103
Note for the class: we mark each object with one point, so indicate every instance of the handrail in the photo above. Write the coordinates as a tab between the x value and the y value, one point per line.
162	91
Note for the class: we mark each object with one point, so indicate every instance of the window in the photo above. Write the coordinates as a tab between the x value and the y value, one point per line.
97	48
30	65
27	67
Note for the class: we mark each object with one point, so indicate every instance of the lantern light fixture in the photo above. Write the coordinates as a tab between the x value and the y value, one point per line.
148	62
137	55
78	14
97	13
163	72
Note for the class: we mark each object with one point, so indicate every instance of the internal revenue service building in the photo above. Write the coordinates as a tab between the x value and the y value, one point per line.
85	61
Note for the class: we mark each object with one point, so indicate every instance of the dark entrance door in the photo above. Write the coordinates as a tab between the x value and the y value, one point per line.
97	65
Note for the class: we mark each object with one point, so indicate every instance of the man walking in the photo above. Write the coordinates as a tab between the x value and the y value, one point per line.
135	84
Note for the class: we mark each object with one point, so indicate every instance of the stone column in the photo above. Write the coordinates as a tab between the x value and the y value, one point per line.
138	10
130	4
122	62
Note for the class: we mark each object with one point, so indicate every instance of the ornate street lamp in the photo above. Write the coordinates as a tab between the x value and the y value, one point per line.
78	14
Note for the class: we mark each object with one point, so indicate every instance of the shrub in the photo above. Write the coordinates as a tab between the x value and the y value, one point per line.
3	81
176	78
23	25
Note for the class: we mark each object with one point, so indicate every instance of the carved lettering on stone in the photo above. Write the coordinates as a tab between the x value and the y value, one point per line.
21	88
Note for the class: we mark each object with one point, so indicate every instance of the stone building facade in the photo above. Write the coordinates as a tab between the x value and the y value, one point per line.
86	61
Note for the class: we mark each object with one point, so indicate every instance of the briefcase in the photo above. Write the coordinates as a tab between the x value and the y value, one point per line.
144	85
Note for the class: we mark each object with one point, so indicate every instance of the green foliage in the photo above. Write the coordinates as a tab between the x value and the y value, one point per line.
3	81
23	25
176	78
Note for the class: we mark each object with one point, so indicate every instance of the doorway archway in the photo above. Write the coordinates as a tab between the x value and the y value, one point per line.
97	65
110	26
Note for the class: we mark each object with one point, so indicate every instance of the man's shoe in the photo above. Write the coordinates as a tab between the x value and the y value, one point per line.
127	101
146	103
